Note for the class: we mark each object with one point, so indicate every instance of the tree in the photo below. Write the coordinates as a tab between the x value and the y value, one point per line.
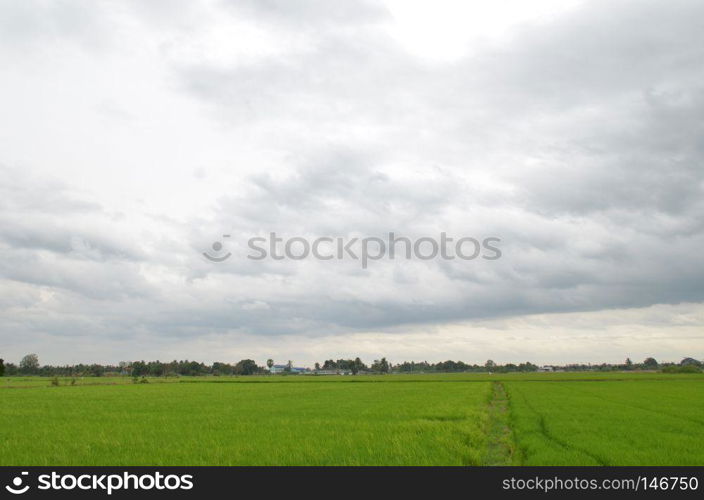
246	367
650	364
490	365
317	366
629	364
356	366
380	365
269	363
2	367
96	370
29	364
361	367
289	366
139	369
221	369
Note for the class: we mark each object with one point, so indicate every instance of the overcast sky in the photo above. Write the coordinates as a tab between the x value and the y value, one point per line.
134	134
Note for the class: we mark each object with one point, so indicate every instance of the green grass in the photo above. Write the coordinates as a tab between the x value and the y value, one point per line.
630	422
417	419
245	424
19	382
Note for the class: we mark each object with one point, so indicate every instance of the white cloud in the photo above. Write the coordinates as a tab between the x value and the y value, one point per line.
134	135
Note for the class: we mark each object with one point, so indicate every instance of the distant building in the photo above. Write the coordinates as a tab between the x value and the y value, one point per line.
546	368
283	369
333	372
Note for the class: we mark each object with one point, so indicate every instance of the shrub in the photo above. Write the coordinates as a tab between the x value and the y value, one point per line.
681	369
55	381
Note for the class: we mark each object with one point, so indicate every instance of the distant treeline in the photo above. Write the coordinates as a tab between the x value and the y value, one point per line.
29	365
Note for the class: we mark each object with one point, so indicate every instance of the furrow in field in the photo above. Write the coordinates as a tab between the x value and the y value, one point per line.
545	432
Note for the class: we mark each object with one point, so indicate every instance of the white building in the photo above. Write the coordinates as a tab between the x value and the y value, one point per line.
283	369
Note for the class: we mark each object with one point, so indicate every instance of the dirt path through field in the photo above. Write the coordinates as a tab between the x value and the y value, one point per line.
501	449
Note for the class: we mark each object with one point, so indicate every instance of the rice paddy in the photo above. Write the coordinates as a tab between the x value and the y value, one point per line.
453	419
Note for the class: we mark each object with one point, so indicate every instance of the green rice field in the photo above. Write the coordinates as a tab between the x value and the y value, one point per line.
444	419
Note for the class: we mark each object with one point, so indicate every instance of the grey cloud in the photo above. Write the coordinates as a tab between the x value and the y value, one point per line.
578	143
39	214
34	22
313	14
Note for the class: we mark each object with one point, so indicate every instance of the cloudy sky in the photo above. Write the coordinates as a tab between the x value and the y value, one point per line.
135	134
